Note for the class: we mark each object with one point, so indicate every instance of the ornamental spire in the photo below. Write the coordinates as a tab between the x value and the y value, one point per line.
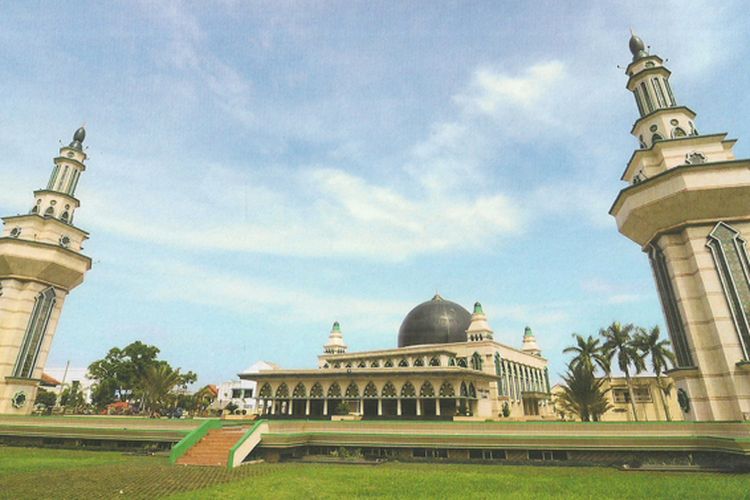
479	328
529	343
335	344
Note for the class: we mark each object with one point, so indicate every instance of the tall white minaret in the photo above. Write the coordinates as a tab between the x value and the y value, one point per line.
479	329
529	343
40	262
335	344
686	205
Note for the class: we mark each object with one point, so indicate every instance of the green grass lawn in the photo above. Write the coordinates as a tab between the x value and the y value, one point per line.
48	473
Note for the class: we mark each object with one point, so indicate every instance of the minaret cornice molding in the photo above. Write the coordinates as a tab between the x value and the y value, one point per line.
662	111
78	163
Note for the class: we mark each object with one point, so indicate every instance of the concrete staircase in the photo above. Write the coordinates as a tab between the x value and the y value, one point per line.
214	448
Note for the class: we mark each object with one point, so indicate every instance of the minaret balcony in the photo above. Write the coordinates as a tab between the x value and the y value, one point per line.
686	194
43	262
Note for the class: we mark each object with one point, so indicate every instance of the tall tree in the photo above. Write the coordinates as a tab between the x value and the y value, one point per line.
157	385
619	344
123	374
583	394
588	352
657	349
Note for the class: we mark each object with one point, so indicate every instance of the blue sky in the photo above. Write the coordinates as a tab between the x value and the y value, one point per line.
259	170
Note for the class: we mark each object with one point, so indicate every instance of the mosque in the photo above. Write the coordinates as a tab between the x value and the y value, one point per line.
685	204
447	365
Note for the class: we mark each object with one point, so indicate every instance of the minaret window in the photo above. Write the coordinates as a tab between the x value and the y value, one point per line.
638	102
647	97
434	361
659	93
62	178
655	138
50	212
476	361
669	93
65	216
678	132
730	255
669	305
37	327
52	178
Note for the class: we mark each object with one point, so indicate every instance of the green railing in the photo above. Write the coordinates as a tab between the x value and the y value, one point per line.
245	437
191	439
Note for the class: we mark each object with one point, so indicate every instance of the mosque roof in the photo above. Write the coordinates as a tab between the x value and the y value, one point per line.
437	321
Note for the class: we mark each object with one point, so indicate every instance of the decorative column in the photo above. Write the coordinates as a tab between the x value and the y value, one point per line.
398	407
380	407
437	406
325	407
419	406
307	407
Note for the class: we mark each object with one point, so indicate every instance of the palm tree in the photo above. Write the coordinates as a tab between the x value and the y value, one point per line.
582	393
588	353
661	356
157	384
619	343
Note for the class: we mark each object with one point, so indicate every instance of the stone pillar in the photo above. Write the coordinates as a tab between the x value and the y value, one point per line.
437	407
419	407
398	407
380	407
325	407
307	407
289	406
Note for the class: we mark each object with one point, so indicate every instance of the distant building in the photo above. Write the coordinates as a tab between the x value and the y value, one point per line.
447	365
73	376
241	392
648	403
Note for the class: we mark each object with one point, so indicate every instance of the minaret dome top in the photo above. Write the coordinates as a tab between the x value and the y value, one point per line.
78	138
637	47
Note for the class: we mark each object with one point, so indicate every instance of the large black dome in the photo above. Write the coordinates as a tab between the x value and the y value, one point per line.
437	321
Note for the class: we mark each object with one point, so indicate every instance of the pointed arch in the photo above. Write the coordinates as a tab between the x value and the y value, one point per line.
730	256
452	361
334	391
300	391
678	132
476	361
408	391
419	362
375	364
389	390
65	216
337	365
427	391
317	391
464	390
265	391
370	391
435	361
447	390
50	212
362	364
282	392
36	329
403	363
352	391
388	363
656	138
472	391
461	362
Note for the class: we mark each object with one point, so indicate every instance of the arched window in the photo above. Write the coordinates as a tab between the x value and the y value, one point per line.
678	132
35	209
389	390
403	363
447	391
499	373
388	363
461	362
451	361
50	212
464	391
656	138
317	391
65	216
659	93
476	361
282	392
36	328
362	364
334	392
427	391
472	391
325	365
370	391
337	365
300	392
352	391
349	364
730	255
408	391
375	364
419	362
265	391
435	361
647	97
